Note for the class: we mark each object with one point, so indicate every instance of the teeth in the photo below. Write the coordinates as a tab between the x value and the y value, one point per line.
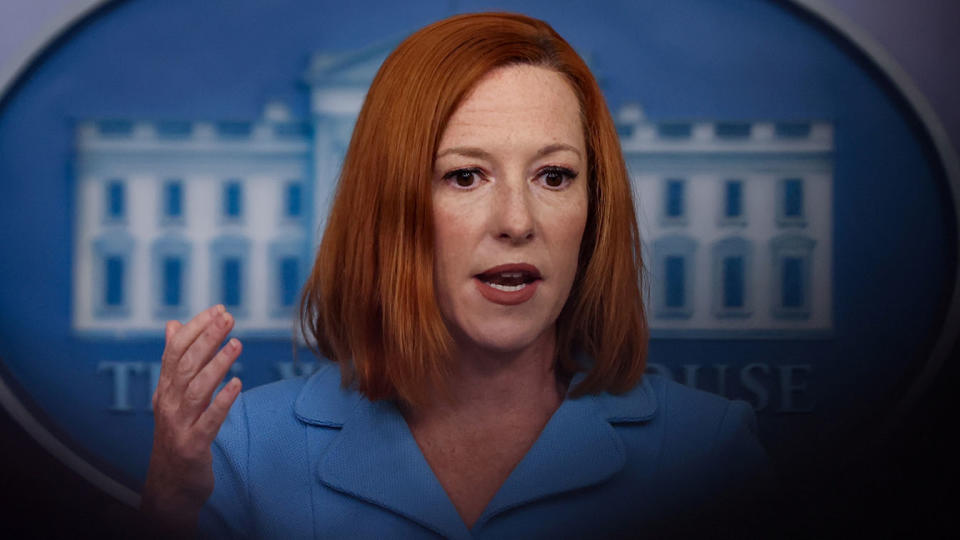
507	288
512	275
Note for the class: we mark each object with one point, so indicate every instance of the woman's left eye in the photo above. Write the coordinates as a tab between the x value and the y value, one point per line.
556	177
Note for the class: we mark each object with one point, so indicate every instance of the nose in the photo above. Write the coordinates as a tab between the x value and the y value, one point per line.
513	213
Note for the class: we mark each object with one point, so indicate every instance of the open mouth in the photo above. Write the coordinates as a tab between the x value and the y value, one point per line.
510	277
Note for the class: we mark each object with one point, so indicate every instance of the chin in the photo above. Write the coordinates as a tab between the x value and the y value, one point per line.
506	337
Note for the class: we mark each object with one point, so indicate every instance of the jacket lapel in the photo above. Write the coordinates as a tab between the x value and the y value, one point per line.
376	459
577	448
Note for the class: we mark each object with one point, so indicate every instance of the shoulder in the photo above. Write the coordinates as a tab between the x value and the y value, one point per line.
690	412
260	414
663	401
709	444
271	397
686	424
269	414
259	455
697	451
319	390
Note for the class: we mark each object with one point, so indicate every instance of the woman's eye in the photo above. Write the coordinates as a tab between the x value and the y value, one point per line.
463	178
557	177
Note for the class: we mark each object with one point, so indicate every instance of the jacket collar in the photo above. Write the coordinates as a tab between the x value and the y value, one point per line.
323	401
376	459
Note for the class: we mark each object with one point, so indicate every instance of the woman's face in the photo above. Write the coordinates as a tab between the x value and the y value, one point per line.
510	207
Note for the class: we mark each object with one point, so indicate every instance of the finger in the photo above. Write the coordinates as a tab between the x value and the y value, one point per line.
176	345
210	421
171	329
186	334
201	351
197	395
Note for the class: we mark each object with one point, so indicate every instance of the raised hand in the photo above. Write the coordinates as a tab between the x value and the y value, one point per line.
180	477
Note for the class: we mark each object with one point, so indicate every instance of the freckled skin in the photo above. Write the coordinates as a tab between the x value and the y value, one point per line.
509	186
509	210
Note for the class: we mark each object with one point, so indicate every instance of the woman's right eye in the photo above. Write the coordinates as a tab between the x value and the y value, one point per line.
463	178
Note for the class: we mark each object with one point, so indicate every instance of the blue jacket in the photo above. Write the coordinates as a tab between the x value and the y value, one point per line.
307	458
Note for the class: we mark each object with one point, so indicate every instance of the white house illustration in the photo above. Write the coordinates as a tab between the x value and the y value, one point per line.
173	216
736	220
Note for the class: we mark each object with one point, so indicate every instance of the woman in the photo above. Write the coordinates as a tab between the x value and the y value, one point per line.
478	287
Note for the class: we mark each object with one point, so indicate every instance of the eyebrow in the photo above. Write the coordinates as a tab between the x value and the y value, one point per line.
470	151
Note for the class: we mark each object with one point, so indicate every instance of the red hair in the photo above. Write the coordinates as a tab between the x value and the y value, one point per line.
370	302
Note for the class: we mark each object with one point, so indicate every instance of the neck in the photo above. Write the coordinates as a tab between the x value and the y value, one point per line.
487	385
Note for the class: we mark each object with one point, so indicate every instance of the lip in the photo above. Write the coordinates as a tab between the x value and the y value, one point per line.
509	298
513	267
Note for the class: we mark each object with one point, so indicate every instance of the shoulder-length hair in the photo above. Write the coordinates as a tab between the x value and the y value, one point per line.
370	302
